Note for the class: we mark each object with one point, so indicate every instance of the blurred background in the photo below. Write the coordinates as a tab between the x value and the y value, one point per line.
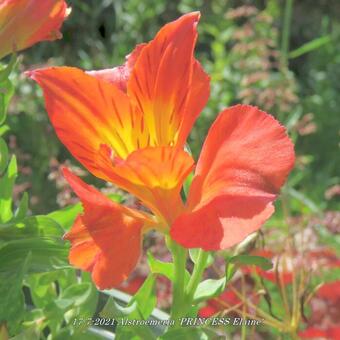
283	56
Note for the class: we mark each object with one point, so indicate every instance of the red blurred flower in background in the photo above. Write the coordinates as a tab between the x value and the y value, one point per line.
128	125
26	22
332	333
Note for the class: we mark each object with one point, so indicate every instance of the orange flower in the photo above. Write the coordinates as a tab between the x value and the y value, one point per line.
93	232
23	23
244	161
128	125
132	121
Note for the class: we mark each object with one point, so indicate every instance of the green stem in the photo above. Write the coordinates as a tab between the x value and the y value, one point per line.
179	257
286	30
196	275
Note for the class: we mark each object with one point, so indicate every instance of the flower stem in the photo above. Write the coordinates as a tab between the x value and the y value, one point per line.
179	257
286	30
196	275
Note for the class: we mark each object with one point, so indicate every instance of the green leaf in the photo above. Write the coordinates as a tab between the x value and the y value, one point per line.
114	310
27	334
22	209
3	155
146	297
78	293
3	129
310	46
6	189
194	252
5	72
6	88
30	226
258	261
65	217
247	245
42	290
209	289
230	271
12	299
88	308
164	268
6	93
46	255
303	199
67	303
187	184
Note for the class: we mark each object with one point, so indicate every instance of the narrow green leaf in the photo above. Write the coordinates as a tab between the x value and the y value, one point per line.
6	93
303	199
6	189
3	155
5	72
209	289
310	46
230	271
258	261
22	209
187	184
146	297
194	252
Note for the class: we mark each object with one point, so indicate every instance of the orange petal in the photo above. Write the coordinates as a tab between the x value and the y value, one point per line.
120	75
167	85
106	238
24	23
87	112
154	175
244	161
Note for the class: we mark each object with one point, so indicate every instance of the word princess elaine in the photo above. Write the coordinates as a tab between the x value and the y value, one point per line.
187	322
191	322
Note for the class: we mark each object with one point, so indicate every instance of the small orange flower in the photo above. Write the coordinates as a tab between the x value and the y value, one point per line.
23	23
128	125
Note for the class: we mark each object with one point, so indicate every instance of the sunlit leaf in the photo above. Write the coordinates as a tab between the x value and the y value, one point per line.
194	253
164	268
209	289
65	217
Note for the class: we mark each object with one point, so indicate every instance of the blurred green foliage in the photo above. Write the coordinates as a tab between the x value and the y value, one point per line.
240	52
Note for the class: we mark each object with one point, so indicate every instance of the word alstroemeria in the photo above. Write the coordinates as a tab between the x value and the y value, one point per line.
128	125
26	22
